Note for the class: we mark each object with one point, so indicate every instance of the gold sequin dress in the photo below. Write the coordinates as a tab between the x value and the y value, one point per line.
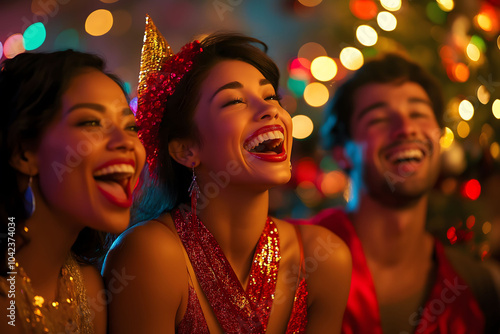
69	313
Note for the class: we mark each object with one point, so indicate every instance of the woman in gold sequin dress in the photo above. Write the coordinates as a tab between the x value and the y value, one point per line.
211	260
70	159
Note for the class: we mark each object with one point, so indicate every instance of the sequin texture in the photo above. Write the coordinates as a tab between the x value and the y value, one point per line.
237	310
160	73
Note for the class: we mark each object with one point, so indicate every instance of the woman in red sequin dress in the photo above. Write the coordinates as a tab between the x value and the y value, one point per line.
212	260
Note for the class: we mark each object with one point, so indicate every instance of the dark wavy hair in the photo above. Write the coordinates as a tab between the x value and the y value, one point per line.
170	188
31	88
389	68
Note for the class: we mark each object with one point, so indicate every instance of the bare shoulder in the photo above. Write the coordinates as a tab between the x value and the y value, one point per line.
328	266
320	240
146	278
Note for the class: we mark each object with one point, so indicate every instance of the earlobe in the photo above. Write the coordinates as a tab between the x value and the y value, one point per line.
184	152
25	162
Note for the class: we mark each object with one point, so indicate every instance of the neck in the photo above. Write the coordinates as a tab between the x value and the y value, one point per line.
389	235
236	218
49	243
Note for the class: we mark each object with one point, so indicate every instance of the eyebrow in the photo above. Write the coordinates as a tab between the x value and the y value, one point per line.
97	107
383	104
237	84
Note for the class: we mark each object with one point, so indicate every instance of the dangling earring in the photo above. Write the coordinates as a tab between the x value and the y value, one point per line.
194	193
29	199
290	166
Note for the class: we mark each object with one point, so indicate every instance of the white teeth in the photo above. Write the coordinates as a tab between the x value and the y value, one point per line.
122	168
263	137
407	154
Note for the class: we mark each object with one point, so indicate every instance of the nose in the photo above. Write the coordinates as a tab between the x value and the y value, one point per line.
404	127
267	110
120	139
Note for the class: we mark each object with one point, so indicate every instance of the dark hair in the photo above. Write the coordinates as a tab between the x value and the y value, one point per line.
31	88
389	68
177	123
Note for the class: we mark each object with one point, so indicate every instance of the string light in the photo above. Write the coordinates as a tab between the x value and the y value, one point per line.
302	126
466	110
387	21
351	58
323	68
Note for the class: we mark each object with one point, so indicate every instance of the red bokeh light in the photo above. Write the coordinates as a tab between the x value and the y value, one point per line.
471	189
363	9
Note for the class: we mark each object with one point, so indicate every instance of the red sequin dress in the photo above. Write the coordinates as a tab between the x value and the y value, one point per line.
236	310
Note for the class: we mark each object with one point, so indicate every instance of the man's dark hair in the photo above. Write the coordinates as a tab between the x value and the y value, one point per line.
389	68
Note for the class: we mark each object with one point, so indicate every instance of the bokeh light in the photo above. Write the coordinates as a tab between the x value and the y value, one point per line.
306	170
446	5
471	220
363	9
99	22
67	39
466	110
484	21
471	189
447	138
310	51
391	5
463	129
299	69
495	150
473	52
486	228
366	35
1	50
323	68
498	41
451	234
387	21
296	86
13	46
495	108
333	183
351	58
461	72
302	127
483	95
479	42
310	3
316	94
34	36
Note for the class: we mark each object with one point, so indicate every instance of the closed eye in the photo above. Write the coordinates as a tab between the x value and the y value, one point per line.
232	102
377	120
275	97
92	123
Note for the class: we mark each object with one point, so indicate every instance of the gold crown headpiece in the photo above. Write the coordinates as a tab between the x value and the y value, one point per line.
161	70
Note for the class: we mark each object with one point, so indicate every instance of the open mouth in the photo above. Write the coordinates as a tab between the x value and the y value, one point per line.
267	143
408	155
114	183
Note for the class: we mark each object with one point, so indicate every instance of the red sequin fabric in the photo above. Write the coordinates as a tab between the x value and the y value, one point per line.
237	310
159	85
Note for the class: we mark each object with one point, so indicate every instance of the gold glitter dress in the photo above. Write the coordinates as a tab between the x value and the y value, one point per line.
69	313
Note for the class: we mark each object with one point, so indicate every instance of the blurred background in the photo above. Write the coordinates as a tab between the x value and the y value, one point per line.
317	43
